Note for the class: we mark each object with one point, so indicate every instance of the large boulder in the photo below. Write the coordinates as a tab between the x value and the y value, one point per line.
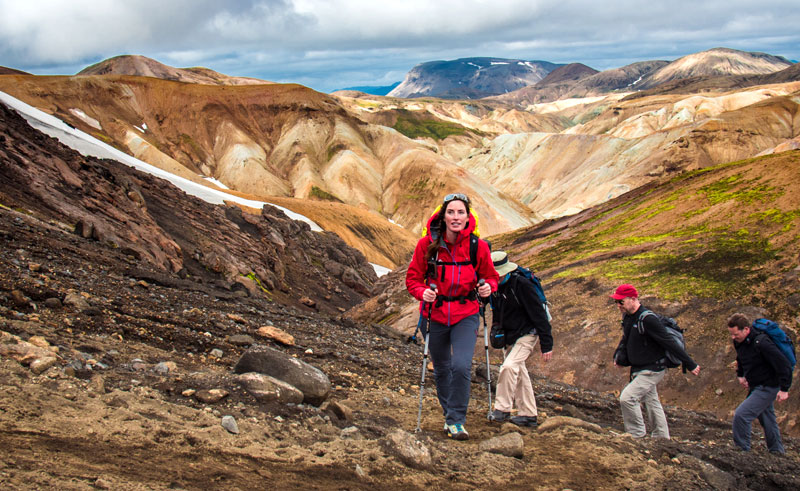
311	381
265	388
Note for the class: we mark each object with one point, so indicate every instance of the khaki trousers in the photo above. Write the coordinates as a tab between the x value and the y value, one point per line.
514	384
642	390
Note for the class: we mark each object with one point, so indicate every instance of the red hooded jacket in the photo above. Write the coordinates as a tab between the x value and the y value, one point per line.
459	280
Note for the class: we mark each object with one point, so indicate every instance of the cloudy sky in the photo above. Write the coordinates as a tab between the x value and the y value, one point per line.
331	44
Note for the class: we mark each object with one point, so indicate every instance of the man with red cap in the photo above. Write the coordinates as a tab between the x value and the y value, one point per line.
643	348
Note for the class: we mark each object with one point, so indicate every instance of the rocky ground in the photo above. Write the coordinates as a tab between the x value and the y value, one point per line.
119	361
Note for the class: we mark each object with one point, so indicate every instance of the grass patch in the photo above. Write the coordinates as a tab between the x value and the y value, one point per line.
321	194
413	127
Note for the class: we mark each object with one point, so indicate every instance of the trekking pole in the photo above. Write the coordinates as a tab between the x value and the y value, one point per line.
486	347
413	337
424	364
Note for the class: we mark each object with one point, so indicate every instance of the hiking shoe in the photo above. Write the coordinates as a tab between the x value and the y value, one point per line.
499	416
457	432
524	420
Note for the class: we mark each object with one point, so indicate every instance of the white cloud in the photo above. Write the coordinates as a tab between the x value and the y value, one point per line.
334	43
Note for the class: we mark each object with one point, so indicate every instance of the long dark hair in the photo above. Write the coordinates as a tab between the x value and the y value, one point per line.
438	228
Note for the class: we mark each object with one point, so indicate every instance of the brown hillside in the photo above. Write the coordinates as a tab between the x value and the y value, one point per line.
11	71
142	66
265	140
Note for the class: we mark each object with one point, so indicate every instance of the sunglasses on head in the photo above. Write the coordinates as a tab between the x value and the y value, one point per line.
458	196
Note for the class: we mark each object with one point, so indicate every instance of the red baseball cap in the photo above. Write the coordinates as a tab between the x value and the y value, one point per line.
624	291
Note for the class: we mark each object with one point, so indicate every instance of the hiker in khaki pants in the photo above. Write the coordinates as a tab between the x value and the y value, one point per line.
521	319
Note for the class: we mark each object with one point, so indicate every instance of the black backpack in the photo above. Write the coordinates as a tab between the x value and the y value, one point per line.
673	329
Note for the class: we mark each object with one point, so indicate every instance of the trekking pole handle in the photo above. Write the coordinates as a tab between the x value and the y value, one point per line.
483	300
432	288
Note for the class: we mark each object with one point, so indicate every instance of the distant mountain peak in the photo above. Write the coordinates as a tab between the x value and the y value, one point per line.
471	78
717	62
142	66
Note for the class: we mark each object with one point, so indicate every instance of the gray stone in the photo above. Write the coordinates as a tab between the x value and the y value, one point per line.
76	301
510	445
216	353
165	367
241	340
408	449
266	388
311	381
52	303
350	433
229	423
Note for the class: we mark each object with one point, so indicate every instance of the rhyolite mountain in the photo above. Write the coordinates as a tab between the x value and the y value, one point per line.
471	78
147	67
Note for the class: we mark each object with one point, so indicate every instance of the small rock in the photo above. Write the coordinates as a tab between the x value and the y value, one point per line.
216	353
76	301
19	299
360	472
39	365
188	393
39	341
510	445
272	332
101	483
718	392
143	284
35	267
237	318
341	410
52	303
308	302
350	433
211	396
97	384
166	367
408	449
229	423
241	340
559	421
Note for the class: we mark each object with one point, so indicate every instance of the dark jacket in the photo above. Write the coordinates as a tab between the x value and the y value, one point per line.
518	311
761	362
647	351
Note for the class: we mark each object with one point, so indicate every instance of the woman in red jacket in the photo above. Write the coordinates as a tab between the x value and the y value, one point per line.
442	258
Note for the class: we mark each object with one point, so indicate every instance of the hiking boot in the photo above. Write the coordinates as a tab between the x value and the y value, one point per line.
524	420
499	416
457	432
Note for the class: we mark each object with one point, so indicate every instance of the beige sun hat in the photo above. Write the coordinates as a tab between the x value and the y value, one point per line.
501	263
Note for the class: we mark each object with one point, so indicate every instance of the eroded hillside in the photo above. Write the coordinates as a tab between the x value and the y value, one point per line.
267	140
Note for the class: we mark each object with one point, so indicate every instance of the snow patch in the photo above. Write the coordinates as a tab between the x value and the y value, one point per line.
86	119
380	270
216	183
500	63
90	146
